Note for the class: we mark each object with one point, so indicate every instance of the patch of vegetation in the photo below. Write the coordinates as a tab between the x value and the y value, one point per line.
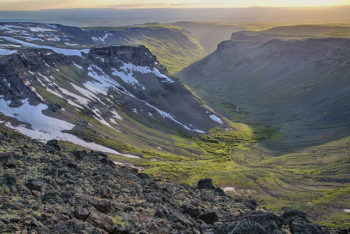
118	221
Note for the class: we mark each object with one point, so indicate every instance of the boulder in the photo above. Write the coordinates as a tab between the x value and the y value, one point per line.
81	213
34	185
206	184
248	227
54	144
209	218
100	220
143	176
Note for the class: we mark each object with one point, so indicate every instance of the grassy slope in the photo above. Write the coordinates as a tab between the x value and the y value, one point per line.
315	180
225	81
174	47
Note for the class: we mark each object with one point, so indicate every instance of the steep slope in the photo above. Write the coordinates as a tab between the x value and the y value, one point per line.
46	189
116	96
174	47
300	87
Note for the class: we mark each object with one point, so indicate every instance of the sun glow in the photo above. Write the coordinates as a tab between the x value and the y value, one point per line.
126	4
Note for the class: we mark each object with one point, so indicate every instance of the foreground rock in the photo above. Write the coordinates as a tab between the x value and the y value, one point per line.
47	190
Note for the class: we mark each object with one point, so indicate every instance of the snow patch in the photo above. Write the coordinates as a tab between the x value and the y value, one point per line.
68	52
78	66
116	115
103	83
100	119
129	68
7	52
80	99
101	39
11	45
215	118
85	92
45	128
229	189
126	76
40	29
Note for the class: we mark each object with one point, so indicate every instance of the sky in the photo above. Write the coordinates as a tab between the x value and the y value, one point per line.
132	4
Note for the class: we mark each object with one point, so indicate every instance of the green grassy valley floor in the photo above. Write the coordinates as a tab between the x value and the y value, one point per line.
315	180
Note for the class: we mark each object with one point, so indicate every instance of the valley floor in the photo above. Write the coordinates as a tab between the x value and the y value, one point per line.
315	180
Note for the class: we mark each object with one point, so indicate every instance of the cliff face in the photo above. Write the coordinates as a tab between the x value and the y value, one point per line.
110	87
137	55
299	86
45	188
174	47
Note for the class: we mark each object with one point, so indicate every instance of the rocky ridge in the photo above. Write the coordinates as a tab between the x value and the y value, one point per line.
47	189
101	87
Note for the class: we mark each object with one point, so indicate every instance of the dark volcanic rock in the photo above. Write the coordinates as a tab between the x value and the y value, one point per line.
10	179
34	185
143	176
205	184
81	213
54	144
138	55
209	218
65	192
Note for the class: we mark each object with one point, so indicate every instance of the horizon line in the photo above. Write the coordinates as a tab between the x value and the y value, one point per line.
180	8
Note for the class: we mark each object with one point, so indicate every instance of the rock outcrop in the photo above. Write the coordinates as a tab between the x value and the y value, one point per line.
48	189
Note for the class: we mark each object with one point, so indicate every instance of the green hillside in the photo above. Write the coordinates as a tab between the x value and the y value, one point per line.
174	47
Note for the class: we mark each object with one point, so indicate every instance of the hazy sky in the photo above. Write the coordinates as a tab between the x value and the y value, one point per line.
58	4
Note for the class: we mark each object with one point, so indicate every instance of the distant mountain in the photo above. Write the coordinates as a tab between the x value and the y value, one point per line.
299	86
56	84
174	47
210	34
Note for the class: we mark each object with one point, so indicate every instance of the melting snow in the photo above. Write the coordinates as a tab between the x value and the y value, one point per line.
46	128
229	189
105	82
70	44
11	45
68	52
55	93
33	38
101	39
80	99
100	119
216	119
128	67
40	29
116	115
78	66
85	92
126	76
7	52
